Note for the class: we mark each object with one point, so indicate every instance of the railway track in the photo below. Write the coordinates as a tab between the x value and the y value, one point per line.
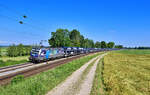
29	69
14	67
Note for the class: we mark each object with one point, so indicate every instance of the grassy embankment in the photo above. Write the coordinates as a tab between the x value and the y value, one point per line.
125	72
7	61
45	81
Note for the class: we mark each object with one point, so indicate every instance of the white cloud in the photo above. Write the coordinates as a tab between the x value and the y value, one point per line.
7	42
3	42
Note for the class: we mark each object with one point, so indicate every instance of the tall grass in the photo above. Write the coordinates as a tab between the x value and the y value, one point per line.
45	81
7	61
126	73
10	62
19	58
98	87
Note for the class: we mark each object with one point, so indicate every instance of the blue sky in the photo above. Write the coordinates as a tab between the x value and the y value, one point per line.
125	22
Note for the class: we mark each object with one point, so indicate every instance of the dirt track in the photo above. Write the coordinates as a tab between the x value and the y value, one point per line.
68	86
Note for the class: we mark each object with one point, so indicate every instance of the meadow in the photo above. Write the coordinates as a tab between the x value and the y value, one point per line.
41	83
7	61
142	51
127	72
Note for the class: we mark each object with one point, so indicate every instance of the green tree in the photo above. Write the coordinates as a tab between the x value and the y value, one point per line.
98	44
20	50
9	53
12	51
67	41
110	45
62	37
27	50
75	38
82	41
59	38
103	44
86	43
119	46
91	44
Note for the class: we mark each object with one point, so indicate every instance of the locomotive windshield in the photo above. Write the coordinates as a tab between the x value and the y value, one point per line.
35	51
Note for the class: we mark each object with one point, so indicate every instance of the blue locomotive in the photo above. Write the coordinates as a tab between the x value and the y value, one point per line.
44	54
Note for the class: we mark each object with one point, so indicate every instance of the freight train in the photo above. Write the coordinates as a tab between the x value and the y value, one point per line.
44	54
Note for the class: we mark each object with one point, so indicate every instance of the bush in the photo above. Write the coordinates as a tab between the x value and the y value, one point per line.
12	51
1	62
17	79
18	50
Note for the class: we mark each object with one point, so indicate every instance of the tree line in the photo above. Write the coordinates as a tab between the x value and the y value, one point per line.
0	52
66	38
140	47
18	50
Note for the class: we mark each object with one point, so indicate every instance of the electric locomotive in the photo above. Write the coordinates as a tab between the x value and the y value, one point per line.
44	54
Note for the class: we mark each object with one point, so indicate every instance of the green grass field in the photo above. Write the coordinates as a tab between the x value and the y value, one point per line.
127	72
45	81
19	58
134	51
7	61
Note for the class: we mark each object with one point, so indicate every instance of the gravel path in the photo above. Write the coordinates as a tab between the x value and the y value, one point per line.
87	84
67	87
